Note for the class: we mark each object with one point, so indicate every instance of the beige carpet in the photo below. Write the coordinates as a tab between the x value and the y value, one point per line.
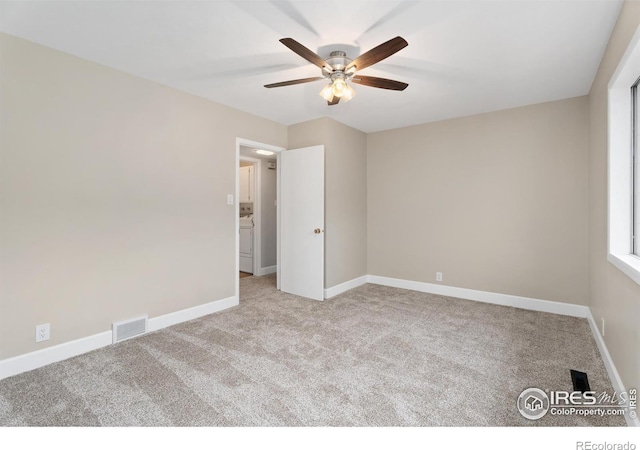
374	356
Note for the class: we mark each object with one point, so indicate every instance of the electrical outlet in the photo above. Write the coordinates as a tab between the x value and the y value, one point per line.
603	327
438	276
42	332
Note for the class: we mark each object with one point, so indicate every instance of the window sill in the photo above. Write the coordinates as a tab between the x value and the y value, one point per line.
629	264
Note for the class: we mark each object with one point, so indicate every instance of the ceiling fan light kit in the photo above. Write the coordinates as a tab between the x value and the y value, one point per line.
340	70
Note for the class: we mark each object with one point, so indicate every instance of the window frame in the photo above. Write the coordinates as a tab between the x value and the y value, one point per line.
635	167
621	169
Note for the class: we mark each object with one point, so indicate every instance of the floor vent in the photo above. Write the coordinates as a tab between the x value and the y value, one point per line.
580	381
129	328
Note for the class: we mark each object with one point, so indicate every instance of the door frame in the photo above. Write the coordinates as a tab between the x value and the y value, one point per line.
277	150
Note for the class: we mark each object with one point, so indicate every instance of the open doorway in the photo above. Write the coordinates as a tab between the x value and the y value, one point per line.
257	218
249	193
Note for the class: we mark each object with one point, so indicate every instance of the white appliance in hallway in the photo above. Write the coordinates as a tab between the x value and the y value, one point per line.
246	237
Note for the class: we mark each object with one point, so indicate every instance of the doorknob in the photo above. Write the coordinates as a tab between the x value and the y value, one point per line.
317	231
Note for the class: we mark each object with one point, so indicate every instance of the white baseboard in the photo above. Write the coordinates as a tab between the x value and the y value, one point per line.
267	270
343	287
616	381
50	355
565	309
30	361
184	315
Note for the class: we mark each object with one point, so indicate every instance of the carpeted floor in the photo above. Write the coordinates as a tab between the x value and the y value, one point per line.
373	356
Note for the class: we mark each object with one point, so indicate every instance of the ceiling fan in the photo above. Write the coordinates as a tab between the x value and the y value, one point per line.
338	70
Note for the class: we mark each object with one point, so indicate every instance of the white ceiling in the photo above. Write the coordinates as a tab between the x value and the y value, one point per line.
463	57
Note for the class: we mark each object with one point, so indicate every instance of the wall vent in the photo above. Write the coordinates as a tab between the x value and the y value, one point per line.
129	328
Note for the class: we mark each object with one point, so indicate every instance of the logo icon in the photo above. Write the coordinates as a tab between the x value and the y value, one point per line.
533	403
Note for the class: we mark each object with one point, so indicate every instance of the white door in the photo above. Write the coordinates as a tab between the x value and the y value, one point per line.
302	222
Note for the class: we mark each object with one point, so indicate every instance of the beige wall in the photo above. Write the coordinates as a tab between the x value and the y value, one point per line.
614	296
113	196
345	195
497	202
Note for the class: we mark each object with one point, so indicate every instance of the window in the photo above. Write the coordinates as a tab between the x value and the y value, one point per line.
624	163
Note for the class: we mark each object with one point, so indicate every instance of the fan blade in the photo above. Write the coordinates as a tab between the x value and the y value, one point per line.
307	54
381	83
292	82
378	53
334	101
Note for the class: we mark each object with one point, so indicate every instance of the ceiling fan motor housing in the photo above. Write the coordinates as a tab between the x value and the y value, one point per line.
338	60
